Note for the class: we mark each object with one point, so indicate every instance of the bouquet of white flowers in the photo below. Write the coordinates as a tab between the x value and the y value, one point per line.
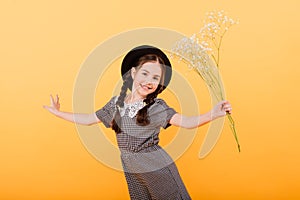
202	53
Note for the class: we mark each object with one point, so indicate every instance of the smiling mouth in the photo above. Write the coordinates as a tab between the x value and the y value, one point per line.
146	87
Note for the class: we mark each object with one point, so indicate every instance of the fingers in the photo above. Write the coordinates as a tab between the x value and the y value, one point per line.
47	107
57	102
226	106
224	102
53	102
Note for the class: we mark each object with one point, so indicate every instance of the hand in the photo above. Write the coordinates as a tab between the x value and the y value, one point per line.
54	105
221	109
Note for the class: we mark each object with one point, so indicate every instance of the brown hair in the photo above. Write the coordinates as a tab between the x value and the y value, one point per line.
142	118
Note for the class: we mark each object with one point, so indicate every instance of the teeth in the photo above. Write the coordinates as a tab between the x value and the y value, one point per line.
146	87
149	88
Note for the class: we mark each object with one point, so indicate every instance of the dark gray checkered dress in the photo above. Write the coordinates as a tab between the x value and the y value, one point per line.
150	172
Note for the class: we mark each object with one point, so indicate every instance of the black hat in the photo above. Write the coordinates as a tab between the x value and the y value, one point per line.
133	56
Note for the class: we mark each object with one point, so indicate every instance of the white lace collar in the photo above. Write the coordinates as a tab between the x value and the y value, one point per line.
132	108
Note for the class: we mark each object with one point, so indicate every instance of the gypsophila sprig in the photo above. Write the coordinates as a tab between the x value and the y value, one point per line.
201	52
216	24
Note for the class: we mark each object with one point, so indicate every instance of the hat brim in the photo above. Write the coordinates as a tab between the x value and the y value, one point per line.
132	57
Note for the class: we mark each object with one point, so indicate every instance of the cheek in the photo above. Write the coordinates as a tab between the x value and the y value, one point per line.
136	81
138	78
155	85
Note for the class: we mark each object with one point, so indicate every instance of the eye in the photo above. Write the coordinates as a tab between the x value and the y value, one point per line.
156	78
144	73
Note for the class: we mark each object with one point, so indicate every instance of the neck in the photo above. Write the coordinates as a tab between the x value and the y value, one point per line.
132	97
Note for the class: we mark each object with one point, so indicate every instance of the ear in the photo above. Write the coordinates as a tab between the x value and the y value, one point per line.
133	72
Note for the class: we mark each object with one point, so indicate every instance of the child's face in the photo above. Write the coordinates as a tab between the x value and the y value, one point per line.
146	78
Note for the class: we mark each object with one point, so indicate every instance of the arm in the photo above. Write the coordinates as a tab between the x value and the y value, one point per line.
79	118
190	122
195	121
84	119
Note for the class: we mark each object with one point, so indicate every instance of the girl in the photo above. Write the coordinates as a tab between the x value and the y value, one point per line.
137	117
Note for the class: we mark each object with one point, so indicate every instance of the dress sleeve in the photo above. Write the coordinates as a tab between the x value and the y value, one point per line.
106	113
166	113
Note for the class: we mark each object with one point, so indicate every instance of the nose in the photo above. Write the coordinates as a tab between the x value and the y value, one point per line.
151	82
148	81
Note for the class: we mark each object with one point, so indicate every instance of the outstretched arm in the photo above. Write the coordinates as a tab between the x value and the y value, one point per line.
192	122
79	118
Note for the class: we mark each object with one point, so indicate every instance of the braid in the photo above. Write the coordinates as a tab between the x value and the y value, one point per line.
116	123
142	118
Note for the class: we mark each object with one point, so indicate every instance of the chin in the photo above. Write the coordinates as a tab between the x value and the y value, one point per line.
144	93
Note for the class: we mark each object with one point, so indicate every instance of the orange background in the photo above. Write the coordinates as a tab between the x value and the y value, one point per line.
43	44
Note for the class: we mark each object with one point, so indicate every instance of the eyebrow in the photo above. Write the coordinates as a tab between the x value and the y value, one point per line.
149	72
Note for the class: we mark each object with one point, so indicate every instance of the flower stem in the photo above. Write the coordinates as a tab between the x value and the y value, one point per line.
232	126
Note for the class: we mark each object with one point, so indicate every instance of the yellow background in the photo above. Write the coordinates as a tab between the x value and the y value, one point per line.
43	44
